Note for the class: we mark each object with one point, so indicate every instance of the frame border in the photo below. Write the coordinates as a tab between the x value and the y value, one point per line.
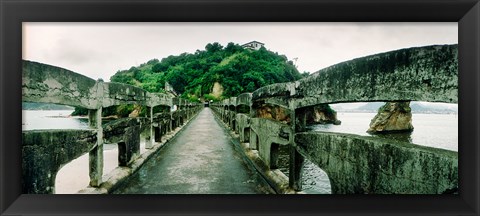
14	12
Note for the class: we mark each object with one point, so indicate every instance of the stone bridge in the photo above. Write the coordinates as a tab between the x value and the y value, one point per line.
354	164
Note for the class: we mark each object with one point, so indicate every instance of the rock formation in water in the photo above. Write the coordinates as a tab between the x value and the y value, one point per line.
322	114
392	117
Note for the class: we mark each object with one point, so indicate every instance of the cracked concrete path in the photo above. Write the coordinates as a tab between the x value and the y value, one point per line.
201	159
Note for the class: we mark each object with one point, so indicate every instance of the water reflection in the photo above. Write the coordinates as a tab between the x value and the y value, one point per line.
314	179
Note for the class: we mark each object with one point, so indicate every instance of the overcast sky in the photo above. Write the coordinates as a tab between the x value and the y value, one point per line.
98	50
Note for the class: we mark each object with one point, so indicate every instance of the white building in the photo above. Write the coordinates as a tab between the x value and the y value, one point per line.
253	45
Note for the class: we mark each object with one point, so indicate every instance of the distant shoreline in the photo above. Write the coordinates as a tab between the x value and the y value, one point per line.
111	117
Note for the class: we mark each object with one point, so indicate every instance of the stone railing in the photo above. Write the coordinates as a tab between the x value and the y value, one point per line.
276	116
44	152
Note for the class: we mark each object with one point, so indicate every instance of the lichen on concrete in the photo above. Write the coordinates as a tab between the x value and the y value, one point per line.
44	152
243	122
51	84
269	132
244	99
358	164
274	90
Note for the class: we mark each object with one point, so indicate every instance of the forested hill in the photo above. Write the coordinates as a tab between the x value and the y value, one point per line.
232	70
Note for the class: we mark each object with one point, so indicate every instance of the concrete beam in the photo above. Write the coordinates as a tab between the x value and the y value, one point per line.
244	99
415	74
50	84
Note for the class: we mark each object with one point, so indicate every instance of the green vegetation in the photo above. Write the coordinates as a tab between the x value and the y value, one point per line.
238	70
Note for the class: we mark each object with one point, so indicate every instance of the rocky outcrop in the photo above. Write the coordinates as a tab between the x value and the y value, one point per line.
274	112
392	117
217	90
322	114
136	112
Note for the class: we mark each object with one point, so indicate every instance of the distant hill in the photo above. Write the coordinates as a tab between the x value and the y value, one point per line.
44	106
432	108
416	108
370	107
215	73
212	74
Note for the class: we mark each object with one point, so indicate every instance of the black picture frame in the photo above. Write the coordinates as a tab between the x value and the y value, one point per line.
14	12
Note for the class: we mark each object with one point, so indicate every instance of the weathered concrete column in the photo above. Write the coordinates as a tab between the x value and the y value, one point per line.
296	169
158	132
149	138
96	154
170	122
253	140
299	117
253	137
129	148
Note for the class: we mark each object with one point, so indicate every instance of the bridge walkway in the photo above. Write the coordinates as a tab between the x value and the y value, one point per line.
201	159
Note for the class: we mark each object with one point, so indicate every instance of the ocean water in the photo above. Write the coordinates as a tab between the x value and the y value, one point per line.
51	119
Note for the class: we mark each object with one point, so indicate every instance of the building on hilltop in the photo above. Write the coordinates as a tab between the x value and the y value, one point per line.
253	45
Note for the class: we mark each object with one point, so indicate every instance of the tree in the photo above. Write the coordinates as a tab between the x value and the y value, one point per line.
211	48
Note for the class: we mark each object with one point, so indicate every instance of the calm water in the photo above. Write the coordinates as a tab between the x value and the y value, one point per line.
51	119
435	130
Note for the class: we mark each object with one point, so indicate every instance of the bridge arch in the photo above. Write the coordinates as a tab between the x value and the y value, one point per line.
415	74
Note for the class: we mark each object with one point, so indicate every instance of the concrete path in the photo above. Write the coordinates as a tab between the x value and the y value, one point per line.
200	160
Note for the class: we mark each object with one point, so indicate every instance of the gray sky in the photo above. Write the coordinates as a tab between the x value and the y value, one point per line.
98	50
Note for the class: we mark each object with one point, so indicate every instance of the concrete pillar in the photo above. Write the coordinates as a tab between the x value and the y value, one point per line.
296	161
296	169
253	137
158	133
253	140
129	148
96	154
274	155
149	139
